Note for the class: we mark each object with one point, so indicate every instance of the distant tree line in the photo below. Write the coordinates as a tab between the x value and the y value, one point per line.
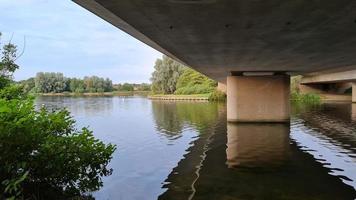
172	77
51	82
132	87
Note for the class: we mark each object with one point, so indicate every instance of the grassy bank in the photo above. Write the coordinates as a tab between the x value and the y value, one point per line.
298	97
305	98
212	96
175	97
92	94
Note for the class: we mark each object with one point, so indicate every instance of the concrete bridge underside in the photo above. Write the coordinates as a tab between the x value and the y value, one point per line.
252	46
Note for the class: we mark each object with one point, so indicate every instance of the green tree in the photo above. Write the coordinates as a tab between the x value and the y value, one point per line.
43	155
127	87
46	82
28	85
193	82
7	63
97	84
144	87
76	85
166	74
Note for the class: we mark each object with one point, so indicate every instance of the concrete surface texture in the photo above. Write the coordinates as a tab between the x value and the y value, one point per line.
258	99
220	37
222	87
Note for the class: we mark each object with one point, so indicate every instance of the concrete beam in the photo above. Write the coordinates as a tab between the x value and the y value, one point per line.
258	98
335	77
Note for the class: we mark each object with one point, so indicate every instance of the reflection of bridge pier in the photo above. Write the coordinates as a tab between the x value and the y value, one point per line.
259	162
353	112
353	92
250	144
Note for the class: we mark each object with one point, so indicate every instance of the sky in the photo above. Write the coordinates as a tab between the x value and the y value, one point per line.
61	36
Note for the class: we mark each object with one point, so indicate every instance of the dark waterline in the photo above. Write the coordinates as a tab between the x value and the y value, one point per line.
187	150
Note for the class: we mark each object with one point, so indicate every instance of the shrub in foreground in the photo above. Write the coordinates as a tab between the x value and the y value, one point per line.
42	153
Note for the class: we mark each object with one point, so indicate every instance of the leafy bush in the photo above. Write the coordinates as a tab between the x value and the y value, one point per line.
193	82
217	95
12	92
42	152
42	155
297	97
194	89
309	98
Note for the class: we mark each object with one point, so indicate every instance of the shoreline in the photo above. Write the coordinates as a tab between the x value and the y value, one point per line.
89	94
192	97
170	97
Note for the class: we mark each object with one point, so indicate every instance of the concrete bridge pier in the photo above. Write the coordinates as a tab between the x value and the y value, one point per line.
221	87
258	98
353	92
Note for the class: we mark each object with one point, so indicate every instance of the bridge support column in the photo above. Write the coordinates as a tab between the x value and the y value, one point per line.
354	92
258	98
221	87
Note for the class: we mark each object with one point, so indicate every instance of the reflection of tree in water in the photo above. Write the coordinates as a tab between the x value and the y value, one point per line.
166	118
89	106
200	115
172	117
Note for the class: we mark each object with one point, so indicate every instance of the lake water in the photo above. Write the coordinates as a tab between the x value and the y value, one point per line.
187	150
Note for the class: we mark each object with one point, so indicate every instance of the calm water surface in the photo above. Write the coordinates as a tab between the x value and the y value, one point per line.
187	150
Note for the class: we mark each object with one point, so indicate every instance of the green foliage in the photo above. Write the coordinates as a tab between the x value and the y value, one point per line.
217	95
132	87
125	87
295	82
46	82
28	85
144	87
76	85
42	154
193	82
7	63
49	82
172	77
309	98
297	97
165	77
46	145
194	89
12	92
97	84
